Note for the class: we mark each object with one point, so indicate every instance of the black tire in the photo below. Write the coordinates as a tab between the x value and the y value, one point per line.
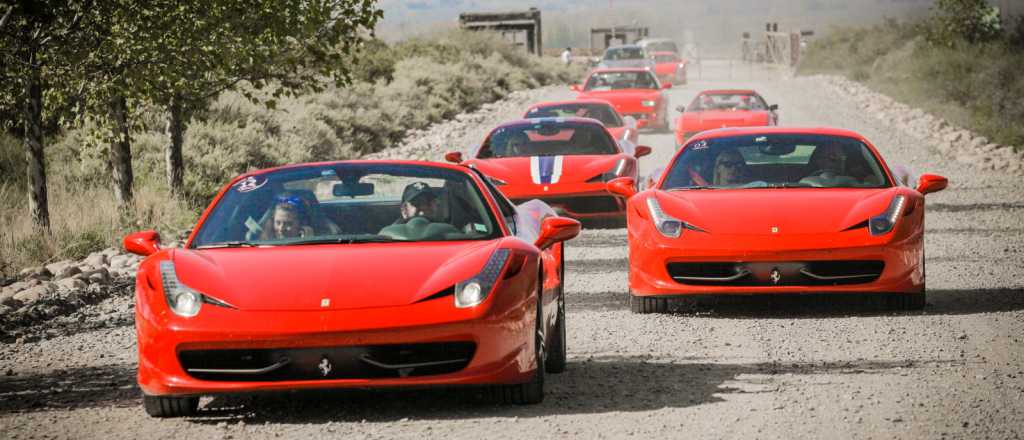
643	304
164	406
557	353
531	392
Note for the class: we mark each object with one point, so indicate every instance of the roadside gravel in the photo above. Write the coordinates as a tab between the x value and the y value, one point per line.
737	369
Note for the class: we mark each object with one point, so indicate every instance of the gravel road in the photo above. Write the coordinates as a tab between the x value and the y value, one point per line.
751	368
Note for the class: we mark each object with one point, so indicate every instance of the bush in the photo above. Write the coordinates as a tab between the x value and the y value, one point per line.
975	85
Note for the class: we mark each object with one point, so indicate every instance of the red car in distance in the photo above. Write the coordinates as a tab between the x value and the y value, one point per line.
564	162
634	92
771	210
619	127
670	67
724	108
353	274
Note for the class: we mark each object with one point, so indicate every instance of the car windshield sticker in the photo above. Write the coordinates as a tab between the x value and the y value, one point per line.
479	227
701	145
253	226
328	172
251	183
761	139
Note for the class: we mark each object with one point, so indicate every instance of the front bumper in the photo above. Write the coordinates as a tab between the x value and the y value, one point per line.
499	332
576	200
653	262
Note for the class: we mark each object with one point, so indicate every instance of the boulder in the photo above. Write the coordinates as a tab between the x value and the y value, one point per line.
119	261
71	284
97	259
38	273
33	294
100	275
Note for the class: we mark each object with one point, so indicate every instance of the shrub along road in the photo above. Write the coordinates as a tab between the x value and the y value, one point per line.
739	369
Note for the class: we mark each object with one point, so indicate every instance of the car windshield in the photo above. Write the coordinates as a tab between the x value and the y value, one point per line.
600	81
601	112
666	58
726	101
776	161
624	53
662	46
547	139
348	203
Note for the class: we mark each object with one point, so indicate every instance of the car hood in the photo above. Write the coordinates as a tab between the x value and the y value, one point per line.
792	211
349	276
546	169
624	100
717	119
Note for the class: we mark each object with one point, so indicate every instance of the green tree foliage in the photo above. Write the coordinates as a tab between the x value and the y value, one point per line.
952	21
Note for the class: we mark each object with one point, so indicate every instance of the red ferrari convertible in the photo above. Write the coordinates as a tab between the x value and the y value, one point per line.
776	211
724	108
633	91
669	67
353	274
563	161
619	127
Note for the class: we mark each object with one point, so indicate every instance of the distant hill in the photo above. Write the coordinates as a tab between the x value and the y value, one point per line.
716	25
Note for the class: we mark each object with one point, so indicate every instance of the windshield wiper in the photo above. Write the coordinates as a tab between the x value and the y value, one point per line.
693	187
227	244
347	240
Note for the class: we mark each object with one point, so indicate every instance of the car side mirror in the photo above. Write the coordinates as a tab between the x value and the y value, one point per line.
681	109
666	86
143	243
773	107
929	183
623	186
555	230
453	156
576	88
641	151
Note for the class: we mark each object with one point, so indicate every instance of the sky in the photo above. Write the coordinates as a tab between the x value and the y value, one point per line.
714	24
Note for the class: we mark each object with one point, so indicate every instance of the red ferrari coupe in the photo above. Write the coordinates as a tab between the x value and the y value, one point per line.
353	274
633	91
563	161
776	211
724	108
669	67
619	127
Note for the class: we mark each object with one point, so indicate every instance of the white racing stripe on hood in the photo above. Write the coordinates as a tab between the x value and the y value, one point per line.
557	172
535	169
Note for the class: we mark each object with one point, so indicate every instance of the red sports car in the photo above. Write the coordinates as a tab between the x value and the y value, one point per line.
563	161
670	67
633	91
619	127
724	108
353	274
776	211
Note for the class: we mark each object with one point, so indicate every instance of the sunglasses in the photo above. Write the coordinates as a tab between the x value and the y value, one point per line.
291	200
731	163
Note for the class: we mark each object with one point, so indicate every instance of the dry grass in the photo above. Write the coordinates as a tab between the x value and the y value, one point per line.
83	220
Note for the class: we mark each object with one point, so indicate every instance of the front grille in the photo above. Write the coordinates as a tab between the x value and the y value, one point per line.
357	362
807	273
583	204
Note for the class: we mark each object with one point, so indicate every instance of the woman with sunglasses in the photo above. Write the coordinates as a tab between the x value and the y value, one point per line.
730	169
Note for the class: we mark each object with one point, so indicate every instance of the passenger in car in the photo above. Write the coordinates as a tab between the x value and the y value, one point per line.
290	219
730	168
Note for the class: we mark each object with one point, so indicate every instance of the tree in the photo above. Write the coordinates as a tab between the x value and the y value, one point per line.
973	21
38	42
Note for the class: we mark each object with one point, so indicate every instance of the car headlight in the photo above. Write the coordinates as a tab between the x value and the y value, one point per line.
183	300
885	222
665	224
474	291
647	103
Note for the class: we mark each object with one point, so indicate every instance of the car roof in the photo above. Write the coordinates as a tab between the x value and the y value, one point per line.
530	121
572	101
624	46
729	92
747	131
619	69
422	163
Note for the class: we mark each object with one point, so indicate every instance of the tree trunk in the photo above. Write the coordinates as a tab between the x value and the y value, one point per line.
176	129
38	206
121	152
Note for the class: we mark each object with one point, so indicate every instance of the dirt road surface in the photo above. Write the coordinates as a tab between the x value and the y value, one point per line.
743	369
